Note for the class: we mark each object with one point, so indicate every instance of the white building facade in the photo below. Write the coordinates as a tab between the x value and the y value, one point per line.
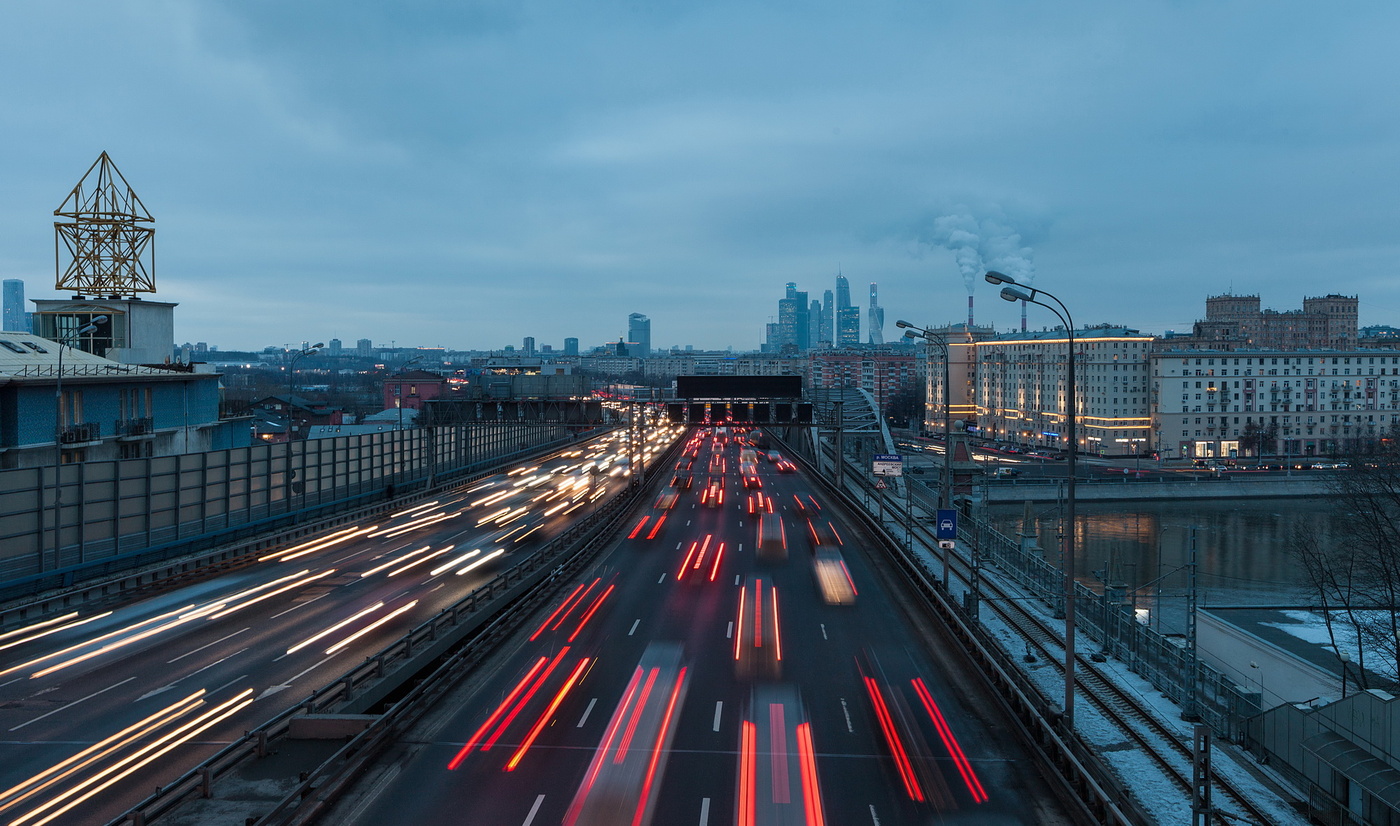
1273	402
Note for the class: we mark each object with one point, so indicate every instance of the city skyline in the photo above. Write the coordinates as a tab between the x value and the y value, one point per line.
296	167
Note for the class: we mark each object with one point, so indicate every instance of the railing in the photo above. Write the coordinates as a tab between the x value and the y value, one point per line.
80	433
134	427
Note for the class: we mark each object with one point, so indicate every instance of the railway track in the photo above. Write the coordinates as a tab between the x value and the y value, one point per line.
1137	724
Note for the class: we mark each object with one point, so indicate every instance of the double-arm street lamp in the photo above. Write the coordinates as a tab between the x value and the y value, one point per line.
1013	290
935	340
88	329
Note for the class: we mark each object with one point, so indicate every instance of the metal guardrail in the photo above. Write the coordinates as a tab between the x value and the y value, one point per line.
1093	787
491	610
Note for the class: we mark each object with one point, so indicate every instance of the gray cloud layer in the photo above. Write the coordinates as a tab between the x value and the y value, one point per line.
466	174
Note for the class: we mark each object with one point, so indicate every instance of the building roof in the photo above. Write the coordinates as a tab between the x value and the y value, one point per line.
24	356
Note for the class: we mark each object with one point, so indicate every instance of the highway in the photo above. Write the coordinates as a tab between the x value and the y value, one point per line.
694	677
98	707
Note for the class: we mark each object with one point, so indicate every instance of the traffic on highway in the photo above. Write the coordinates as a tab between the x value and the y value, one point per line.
737	657
99	707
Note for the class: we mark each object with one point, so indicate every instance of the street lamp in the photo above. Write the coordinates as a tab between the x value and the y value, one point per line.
398	396
933	339
90	327
291	380
1344	658
1012	290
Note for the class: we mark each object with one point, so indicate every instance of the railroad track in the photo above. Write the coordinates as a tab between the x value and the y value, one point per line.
1137	724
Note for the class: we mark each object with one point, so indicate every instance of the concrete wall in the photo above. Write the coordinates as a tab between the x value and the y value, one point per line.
1280	676
1148	490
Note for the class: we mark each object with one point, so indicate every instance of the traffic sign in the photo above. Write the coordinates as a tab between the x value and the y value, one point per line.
880	484
887	464
947	524
947	544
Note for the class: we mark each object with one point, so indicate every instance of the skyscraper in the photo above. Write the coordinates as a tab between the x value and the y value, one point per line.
828	320
570	346
528	346
847	317
793	322
639	333
13	317
814	323
876	323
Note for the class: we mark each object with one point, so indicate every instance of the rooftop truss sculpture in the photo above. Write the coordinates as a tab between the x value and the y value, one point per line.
110	249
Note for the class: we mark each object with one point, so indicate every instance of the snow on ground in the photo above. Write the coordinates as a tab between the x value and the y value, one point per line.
1157	792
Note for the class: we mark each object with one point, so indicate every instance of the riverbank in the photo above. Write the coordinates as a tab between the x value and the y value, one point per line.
1155	489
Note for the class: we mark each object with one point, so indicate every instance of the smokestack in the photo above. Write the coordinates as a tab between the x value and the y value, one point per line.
969	312
1023	316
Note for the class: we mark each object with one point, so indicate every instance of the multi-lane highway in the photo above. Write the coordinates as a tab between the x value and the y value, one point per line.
736	659
99	707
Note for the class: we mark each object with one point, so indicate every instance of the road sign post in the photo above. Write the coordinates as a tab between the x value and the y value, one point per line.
946	529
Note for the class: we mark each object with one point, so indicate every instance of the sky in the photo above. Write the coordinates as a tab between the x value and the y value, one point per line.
464	174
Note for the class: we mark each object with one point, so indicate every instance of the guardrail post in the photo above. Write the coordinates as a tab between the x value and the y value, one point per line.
262	742
206	789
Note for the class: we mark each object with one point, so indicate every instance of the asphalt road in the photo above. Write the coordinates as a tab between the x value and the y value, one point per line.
97	709
647	692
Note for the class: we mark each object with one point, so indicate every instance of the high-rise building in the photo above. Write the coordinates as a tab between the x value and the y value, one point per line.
570	346
13	318
334	347
793	323
847	321
876	323
639	334
828	320
364	348
814	324
528	345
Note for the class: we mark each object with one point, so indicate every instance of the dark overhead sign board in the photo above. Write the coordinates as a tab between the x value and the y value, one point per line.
739	387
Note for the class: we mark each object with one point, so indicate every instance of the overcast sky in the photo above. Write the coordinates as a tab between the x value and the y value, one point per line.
463	174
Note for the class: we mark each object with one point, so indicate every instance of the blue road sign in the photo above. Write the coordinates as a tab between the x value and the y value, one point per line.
947	524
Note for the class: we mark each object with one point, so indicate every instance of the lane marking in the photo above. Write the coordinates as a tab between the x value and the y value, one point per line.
635	623
75	702
679	544
729	635
586	712
687	523
229	683
305	671
719	708
704	811
530	818
741	546
824	636
299	605
846	710
736	579
874	818
202	647
154	692
661	580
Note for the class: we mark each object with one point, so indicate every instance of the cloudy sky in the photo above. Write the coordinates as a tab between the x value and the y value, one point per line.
463	174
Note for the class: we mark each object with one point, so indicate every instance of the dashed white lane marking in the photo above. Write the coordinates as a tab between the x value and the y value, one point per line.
729	635
635	623
75	702
874	818
586	712
704	811
534	810
298	605
661	580
719	708
687	523
824	636
741	546
202	647
678	545
736	579
845	709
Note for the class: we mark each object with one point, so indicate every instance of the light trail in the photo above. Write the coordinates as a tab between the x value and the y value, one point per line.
334	628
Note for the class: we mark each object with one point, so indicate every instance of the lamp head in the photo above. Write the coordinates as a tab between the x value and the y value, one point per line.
903	324
318	345
910	334
1010	293
994	277
98	319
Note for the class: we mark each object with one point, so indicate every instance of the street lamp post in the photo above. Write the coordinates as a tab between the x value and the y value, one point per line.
1344	658
90	327
933	339
291	380
1012	290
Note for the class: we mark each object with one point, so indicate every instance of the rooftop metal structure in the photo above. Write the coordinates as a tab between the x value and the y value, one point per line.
106	241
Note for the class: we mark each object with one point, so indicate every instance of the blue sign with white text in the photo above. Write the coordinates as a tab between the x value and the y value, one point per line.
947	524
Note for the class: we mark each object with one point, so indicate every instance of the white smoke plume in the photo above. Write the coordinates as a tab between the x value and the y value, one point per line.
982	244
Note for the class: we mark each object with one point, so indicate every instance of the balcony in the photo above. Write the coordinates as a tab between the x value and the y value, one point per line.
80	433
134	427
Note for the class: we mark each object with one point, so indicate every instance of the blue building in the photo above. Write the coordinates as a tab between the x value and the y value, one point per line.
106	410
